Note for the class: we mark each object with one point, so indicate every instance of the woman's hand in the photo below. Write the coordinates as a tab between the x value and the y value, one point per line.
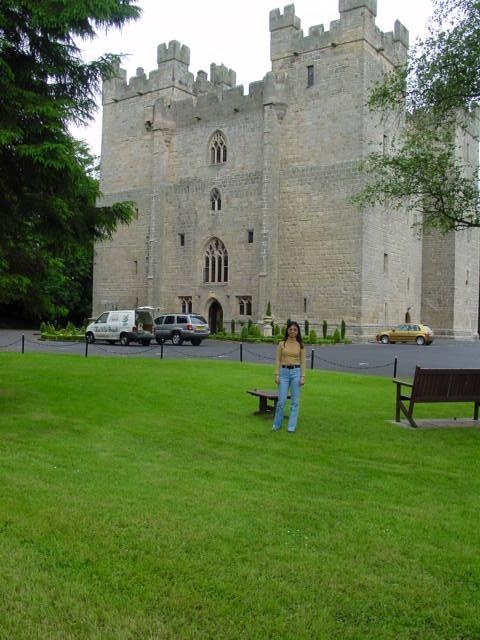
302	381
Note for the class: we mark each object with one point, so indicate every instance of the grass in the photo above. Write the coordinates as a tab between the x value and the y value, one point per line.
141	499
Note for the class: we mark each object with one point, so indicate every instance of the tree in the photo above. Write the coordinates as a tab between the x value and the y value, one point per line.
433	101
48	182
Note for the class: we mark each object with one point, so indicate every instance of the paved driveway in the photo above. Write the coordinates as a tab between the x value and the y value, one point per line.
371	358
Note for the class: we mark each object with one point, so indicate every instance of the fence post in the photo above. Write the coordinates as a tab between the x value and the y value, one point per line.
312	358
23	343
395	367
86	347
241	351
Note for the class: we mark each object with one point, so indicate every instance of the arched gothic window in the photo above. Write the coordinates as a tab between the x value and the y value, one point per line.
215	262
216	200
218	148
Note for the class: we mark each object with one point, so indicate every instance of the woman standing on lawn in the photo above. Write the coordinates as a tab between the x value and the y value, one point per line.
289	375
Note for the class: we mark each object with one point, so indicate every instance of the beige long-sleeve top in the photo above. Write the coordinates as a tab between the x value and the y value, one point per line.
289	353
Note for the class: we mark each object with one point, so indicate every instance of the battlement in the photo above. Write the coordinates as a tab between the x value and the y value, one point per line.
350	5
174	51
219	74
287	19
357	22
208	107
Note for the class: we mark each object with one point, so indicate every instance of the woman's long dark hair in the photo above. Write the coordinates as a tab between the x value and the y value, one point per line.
299	334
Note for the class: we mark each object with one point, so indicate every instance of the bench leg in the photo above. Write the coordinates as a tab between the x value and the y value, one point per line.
262	405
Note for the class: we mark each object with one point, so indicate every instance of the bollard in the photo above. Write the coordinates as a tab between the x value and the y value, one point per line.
395	367
23	343
86	348
161	351
312	358
241	351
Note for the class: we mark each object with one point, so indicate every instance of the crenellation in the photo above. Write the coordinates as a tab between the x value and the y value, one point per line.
221	75
285	20
357	22
174	51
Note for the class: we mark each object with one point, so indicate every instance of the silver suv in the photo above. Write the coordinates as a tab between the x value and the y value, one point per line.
179	327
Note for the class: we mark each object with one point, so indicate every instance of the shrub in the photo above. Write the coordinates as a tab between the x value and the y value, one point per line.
307	328
244	332
249	323
343	329
312	337
324	329
336	336
43	327
276	330
232	326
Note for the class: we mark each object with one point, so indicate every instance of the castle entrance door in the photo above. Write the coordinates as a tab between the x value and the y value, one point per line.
215	316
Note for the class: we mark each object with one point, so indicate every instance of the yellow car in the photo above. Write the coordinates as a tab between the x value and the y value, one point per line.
419	333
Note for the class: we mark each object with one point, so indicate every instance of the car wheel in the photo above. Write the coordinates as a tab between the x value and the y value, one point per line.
196	342
420	340
146	343
124	340
177	338
384	340
90	337
159	340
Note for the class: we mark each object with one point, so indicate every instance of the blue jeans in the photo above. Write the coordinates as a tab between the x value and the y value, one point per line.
289	380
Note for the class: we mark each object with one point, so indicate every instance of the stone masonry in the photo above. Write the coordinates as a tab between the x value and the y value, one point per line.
246	199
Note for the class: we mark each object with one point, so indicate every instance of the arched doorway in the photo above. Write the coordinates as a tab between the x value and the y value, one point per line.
215	316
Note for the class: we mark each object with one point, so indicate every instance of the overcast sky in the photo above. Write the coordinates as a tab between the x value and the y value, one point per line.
233	33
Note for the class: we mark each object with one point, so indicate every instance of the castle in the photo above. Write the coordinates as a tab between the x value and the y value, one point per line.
244	200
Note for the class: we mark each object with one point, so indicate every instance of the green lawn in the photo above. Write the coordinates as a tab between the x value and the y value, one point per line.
141	499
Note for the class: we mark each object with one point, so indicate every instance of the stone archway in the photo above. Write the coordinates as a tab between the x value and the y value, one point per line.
215	316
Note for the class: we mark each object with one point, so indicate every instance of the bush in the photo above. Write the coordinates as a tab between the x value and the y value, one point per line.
343	329
244	332
276	329
336	336
232	326
312	337
324	329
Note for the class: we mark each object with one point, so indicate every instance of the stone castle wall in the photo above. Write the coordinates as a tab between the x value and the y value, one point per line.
292	167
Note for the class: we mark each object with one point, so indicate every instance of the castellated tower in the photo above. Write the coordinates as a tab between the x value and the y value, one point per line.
246	199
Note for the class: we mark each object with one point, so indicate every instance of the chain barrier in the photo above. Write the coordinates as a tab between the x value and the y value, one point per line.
362	367
56	344
94	345
238	348
10	344
194	355
259	355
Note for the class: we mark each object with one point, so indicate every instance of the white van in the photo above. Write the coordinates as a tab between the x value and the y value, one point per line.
131	325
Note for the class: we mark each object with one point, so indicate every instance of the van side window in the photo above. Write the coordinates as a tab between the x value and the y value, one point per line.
169	320
103	317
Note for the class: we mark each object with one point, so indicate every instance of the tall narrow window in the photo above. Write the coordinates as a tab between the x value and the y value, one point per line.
186	302
215	200
215	262
250	235
245	305
385	263
218	148
181	237
310	76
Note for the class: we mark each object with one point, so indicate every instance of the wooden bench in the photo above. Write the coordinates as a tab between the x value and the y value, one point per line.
264	395
438	385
